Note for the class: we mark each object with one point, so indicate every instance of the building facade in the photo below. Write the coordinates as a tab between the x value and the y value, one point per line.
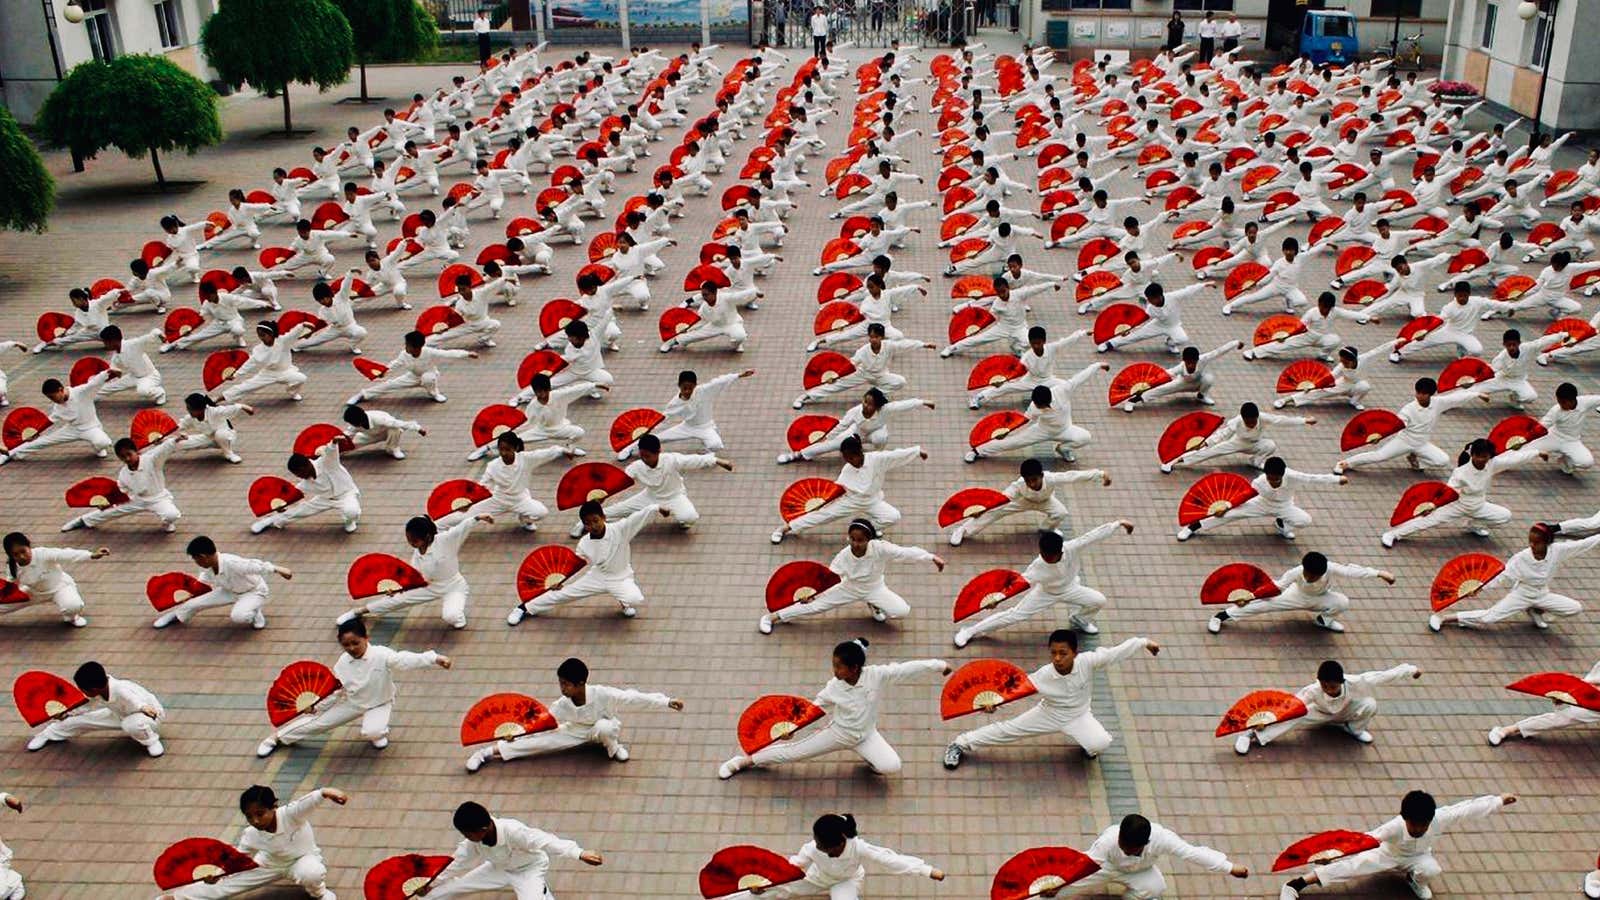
1491	47
1139	26
38	45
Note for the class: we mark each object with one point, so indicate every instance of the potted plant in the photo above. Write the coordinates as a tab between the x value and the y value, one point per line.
1457	92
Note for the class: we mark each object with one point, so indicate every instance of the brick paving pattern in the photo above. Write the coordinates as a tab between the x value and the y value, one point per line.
101	811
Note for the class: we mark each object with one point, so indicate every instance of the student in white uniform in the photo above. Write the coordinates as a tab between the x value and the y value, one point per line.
1565	422
1049	421
659	476
1478	465
1065	686
1564	715
327	485
143	477
340	314
436	554
11	886
1405	844
869	420
271	362
1274	500
417	366
497	854
861	566
835	861
1127	855
1335	698
126	706
852	698
862	478
374	427
1039	363
585	714
40	572
1033	491
692	406
508	477
1307	587
280	841
73	417
1528	574
718	319
1053	579
366	691
607	550
1245	434
1414	440
238	582
207	423
131	357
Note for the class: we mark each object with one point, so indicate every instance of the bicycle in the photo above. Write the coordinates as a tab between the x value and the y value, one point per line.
1406	52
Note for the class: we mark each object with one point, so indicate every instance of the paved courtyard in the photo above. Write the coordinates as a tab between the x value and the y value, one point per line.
100	810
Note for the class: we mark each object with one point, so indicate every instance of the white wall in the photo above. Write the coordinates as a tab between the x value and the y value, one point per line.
1572	96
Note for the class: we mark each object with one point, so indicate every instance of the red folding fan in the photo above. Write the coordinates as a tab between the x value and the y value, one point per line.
983	685
1574	330
1559	687
994	426
987	590
154	253
1180	198
297	689
447	279
180	322
95	492
740	868
1244	276
969	503
1545	233
379	573
1304	375
1256	176
1065	225
269	494
539	362
454	496
1514	431
807	495
798	582
1134	381
1259	709
1097	251
403	877
1369	427
314	438
295	317
1213	495
1352	258
11	593
169	589
371	370
42	696
1462	575
1420	499
493	421
632	424
437	320
590	481
221	366
85	369
502	717
273	257
972	287
1186	432
807	430
703	274
837	286
836	316
774	717
23	424
1513	286
1118	319
1277	329
1237	583
149	426
956	225
967	321
1323	848
1096	283
1040	869
675	320
1468	260
1364	292
195	859
825	368
992	371
545	569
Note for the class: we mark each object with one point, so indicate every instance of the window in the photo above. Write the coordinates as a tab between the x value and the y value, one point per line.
1541	35
167	23
1392	9
102	33
1200	5
1490	13
1102	4
1338	26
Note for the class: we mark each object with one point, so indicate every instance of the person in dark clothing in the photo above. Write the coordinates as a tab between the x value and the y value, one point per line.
1175	30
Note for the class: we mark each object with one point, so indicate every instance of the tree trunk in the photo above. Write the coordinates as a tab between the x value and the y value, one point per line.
288	128
161	179
364	82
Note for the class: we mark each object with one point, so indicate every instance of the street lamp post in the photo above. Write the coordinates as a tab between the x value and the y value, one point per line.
1526	10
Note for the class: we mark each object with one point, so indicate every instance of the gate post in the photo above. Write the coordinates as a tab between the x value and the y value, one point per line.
622	26
705	23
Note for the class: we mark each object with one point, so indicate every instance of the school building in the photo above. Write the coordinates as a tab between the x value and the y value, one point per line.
1490	46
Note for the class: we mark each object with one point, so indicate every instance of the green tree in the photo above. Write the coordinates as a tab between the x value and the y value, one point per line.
27	191
138	104
274	43
388	31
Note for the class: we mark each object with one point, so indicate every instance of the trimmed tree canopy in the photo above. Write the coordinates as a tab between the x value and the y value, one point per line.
389	30
26	190
274	43
138	104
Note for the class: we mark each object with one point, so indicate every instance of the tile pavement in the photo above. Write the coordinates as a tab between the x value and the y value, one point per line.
101	811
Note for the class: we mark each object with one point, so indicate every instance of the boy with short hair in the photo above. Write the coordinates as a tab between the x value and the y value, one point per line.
143	477
498	853
1333	699
236	581
128	707
73	417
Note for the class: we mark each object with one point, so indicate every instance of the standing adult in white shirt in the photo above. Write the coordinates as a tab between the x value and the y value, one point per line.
481	27
819	30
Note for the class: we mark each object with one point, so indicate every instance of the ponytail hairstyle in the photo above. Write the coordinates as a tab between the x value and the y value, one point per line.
852	653
12	541
832	830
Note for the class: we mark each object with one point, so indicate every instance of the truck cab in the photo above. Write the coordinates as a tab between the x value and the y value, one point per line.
1329	36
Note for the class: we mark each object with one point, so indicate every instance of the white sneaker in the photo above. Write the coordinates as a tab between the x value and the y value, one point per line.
1364	737
952	756
958	535
1435	623
1496	735
265	748
233	458
1330	624
260	525
1538	619
259	622
1288	893
1422	891
732	767
380	743
879	615
1241	744
1084	626
778	535
1185	532
165	619
478	758
1387	540
156	750
765	625
38	743
78	622
515	617
1214	625
350	527
621	755
628	611
398	454
1166	468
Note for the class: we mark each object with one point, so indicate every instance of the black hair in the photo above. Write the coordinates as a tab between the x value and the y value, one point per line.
471	816
50	386
832	830
1275	466
1418	806
111	333
511	439
1135	831
90	677
1050	542
1063	636
1032	467
356	626
1426	386
1314	564
201	546
572	669
421	528
852	653
257	795
1249	411
590	508
850	445
1566	390
1330	670
1041	396
650	443
12	541
355	415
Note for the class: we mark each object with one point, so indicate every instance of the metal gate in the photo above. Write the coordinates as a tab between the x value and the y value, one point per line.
868	23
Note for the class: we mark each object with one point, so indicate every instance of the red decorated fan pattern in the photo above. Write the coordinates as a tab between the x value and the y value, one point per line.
1213	495
546	568
797	582
1259	709
983	685
503	717
590	481
774	717
297	689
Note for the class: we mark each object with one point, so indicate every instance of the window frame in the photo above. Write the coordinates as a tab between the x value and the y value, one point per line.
1491	21
1201	6
102	29
169	24
1542	36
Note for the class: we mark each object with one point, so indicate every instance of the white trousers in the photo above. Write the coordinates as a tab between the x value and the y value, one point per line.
1516	602
1420	869
347	505
374	722
405	381
527	884
1330	604
1443	336
452	595
290	379
209	330
877	597
1143	884
1487	515
588	584
94	435
1357	715
524	507
1072	437
851	506
873	749
138	726
161	507
148	387
1083	730
222	439
309	872
1053	511
243	611
1395	447
1570	454
66	598
605	732
683	511
1259	451
1560	717
1292	516
706	434
1303	344
1082	603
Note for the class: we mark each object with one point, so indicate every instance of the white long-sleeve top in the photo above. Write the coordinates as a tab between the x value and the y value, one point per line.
854	708
149	481
825	871
1163	842
1019	490
604	702
1464	317
133	360
1529	576
1067	695
441	563
867	481
585	362
554	413
293	839
1279	499
696	411
368	682
424	362
332	478
664	481
518	848
45	573
1296	577
1566	425
871	363
1356	687
611	555
1236	428
1420	420
864	573
1397	842
277	358
509	481
79	411
1472	483
214	417
379	422
1042	366
1056	577
125	698
1517	368
238	575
